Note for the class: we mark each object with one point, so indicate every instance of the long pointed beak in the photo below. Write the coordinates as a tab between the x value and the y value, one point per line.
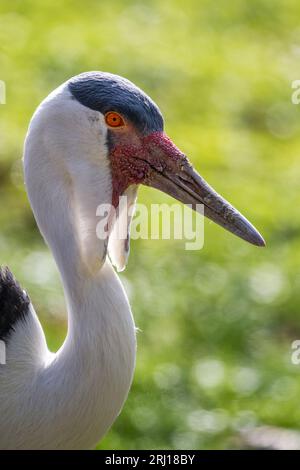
171	172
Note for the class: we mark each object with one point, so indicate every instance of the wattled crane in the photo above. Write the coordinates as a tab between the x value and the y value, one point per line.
95	138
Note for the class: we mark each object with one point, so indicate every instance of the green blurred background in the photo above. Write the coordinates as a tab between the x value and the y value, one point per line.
214	350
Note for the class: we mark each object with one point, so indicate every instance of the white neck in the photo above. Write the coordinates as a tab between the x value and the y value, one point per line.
82	388
93	370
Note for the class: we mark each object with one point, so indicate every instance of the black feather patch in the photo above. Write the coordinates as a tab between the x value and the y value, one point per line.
14	302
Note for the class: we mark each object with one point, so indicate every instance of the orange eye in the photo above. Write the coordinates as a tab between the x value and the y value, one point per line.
113	119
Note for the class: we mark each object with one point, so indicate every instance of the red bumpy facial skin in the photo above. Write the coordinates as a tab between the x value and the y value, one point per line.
155	161
134	163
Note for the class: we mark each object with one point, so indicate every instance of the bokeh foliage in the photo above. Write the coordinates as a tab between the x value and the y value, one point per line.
216	325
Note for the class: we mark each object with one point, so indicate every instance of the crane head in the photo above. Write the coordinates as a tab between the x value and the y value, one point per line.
98	137
141	153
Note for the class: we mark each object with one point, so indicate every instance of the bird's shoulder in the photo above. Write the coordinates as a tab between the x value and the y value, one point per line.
14	302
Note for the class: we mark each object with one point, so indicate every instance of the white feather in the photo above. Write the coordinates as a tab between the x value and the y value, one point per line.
68	400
